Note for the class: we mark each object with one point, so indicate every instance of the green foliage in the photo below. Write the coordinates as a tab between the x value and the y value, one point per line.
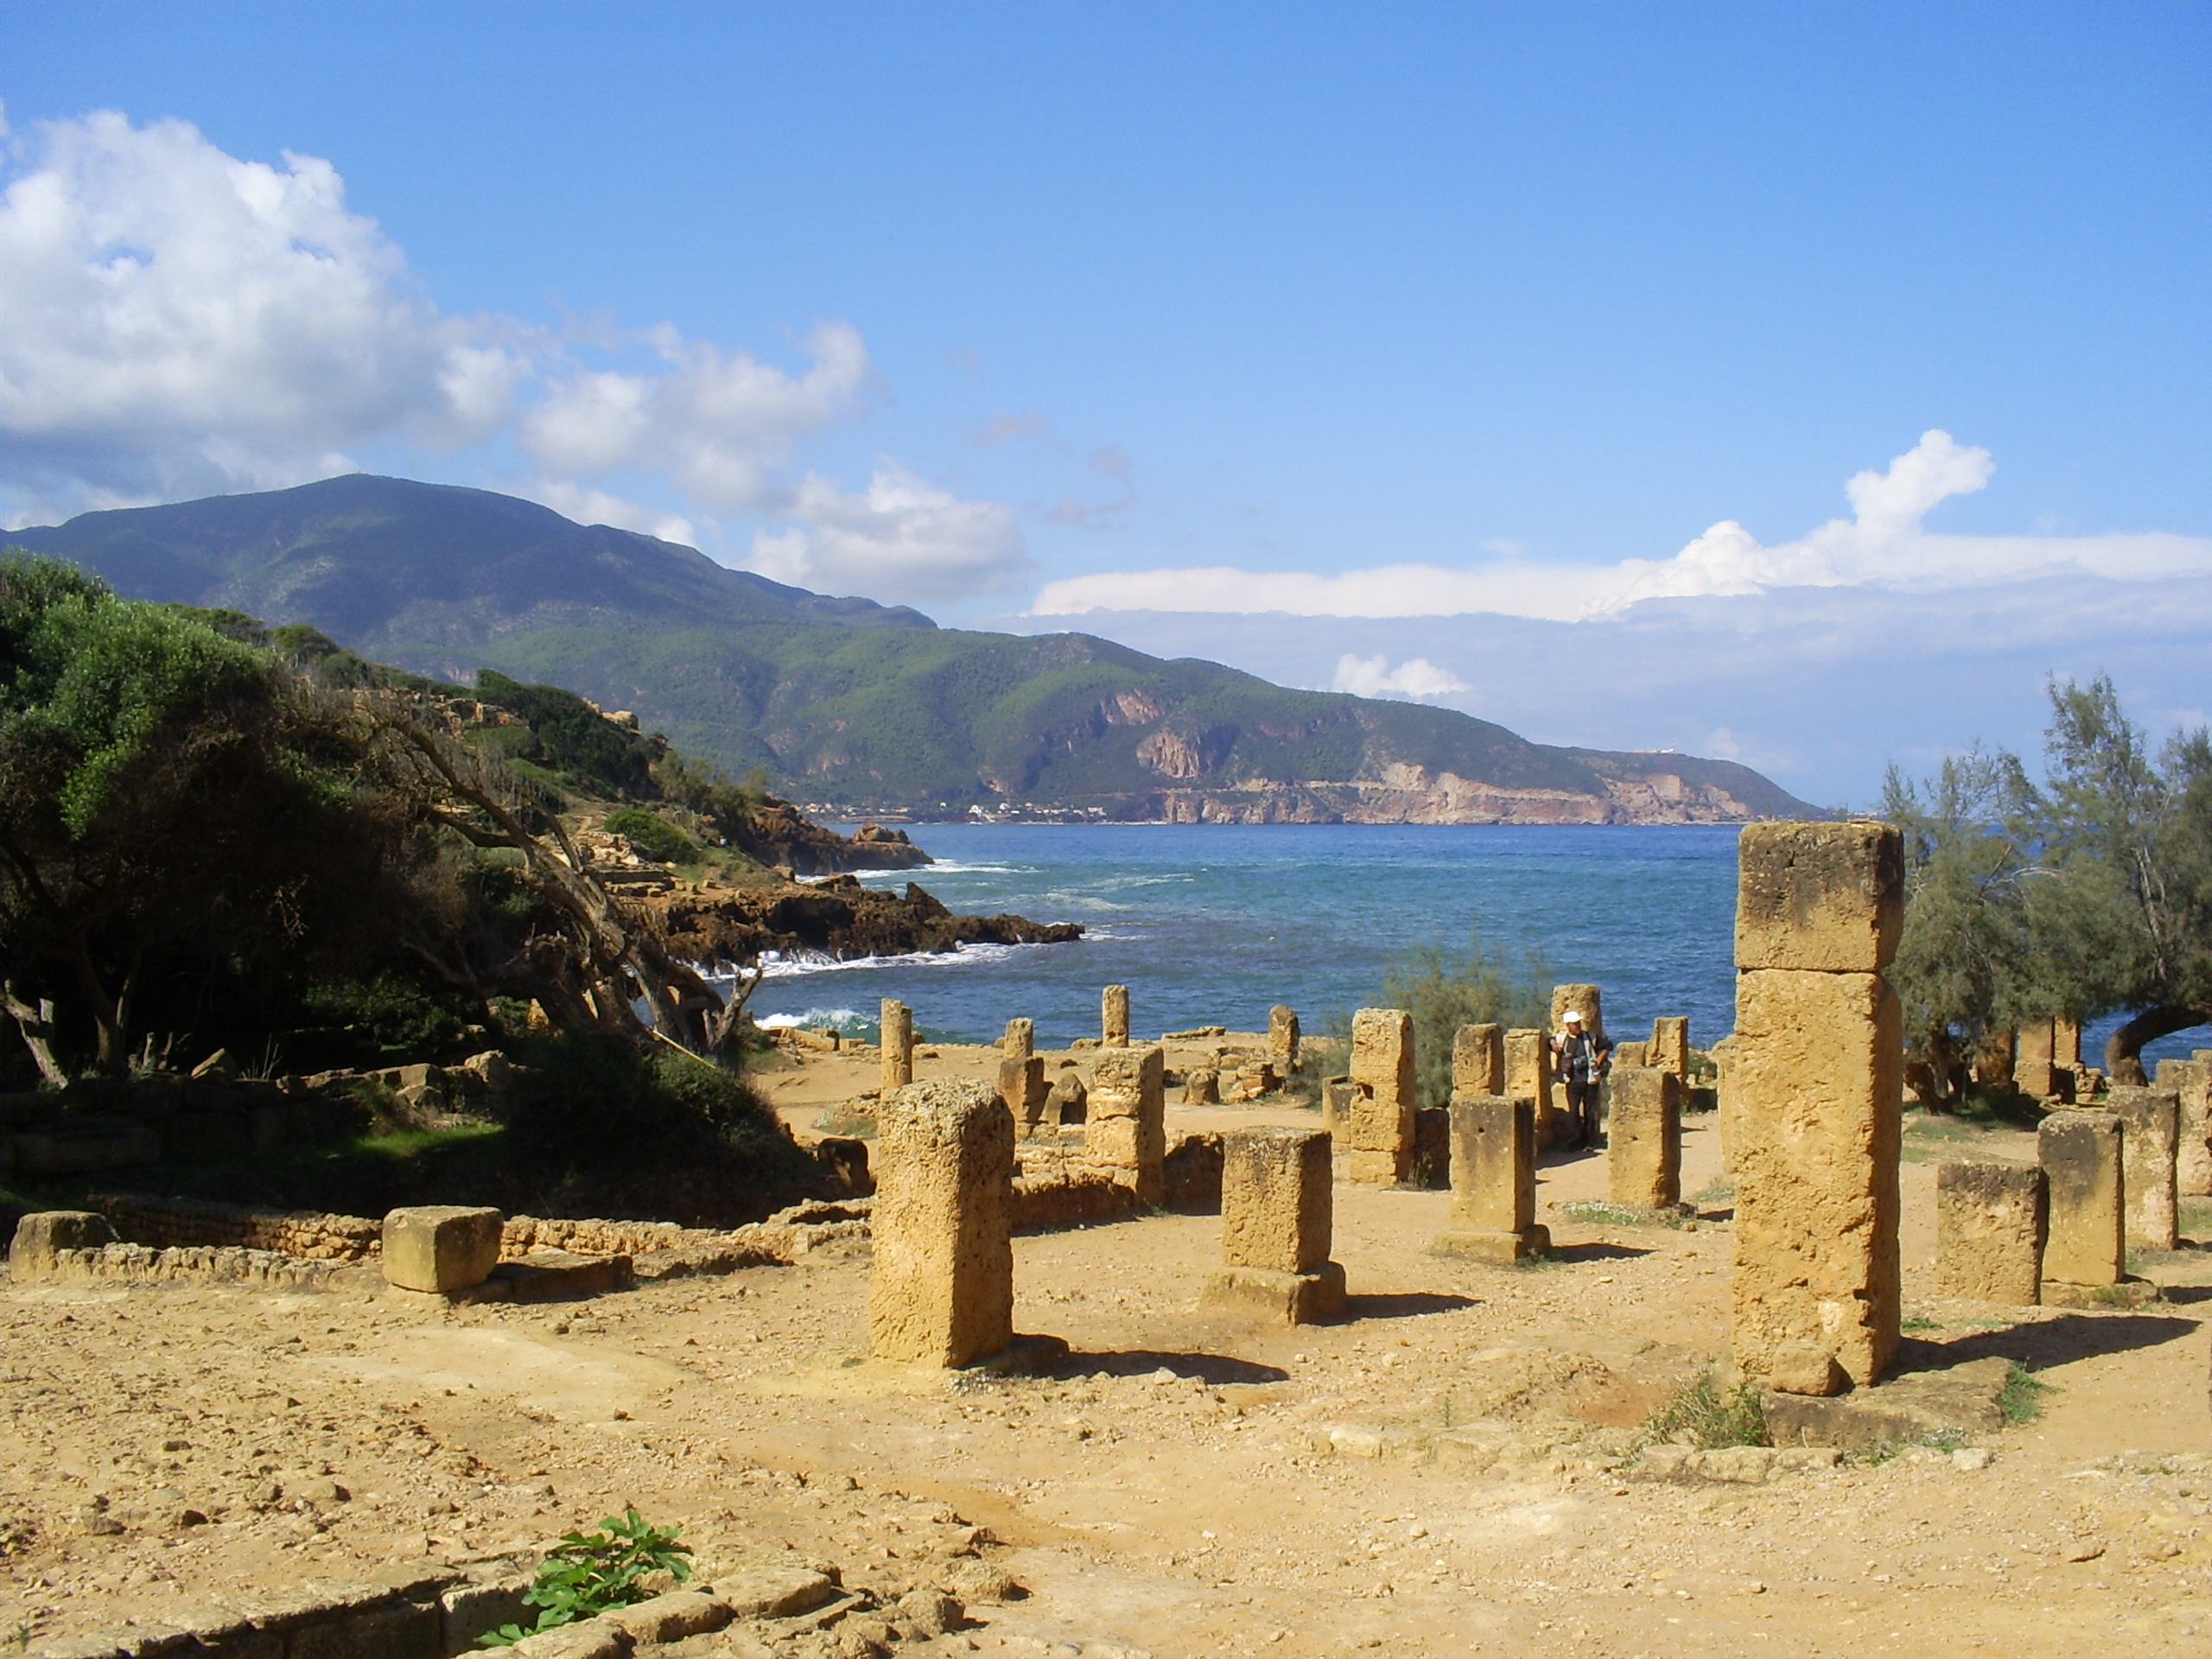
397	1011
657	838
591	1572
1699	1414
588	1102
574	739
2025	1396
1444	990
1599	1212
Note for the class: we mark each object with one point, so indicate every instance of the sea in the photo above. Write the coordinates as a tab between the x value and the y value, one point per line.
1214	924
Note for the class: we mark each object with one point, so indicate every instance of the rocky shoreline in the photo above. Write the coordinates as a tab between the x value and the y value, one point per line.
836	917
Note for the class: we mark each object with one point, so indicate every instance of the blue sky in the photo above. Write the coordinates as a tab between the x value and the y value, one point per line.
1141	318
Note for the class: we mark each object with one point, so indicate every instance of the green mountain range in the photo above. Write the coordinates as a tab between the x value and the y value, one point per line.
847	702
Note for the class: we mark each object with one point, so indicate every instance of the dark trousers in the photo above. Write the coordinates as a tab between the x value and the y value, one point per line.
1582	1107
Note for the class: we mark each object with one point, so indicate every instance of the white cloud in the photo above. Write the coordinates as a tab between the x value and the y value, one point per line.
1884	544
1373	676
902	537
178	321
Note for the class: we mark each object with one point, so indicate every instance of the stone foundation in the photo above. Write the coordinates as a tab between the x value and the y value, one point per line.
1990	1217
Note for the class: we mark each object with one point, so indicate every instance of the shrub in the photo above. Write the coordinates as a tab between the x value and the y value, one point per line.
1444	990
587	1574
1702	1416
656	838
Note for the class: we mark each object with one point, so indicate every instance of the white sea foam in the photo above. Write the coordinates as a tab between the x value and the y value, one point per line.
799	963
813	1019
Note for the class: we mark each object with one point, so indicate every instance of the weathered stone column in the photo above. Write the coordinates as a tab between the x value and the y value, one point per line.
2193	1124
1990	1217
1818	1068
1670	1044
1479	1061
1382	1096
1529	1068
941	1292
1022	1087
1020	1040
1493	1179
2065	1043
1724	1099
1276	1219
1586	1001
1125	1130
1643	1139
2149	1124
898	1022
1114	1017
1282	1038
2087	1242
2033	1067
2191	1082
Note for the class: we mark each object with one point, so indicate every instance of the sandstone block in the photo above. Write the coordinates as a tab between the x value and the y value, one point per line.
1281	1297
1585	1000
441	1247
941	1292
1479	1061
1283	1038
1643	1138
2191	1082
1069	1100
1022	1087
2149	1139
1276	1200
2086	1236
1114	1017
1817	1080
2034	1068
1488	1246
1493	1164
1804	1368
40	1234
1127	1127
1990	1217
1828	897
1020	1040
2065	1043
1669	1048
1383	1094
1528	1067
1632	1052
1202	1086
897	1021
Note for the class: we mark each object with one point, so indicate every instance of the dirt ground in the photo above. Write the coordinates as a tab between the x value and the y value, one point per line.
1172	1489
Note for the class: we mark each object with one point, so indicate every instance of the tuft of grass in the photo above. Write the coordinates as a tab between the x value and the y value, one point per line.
2023	1400
1919	1322
1599	1213
1719	1190
1699	1414
848	1118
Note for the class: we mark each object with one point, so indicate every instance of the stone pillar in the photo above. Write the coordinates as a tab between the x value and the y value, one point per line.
898	1022
1724	1099
1632	1052
1125	1130
2065	1043
1479	1061
2148	1123
2086	1242
1643	1139
1202	1086
1990	1217
1527	1067
1493	1179
1818	1076
2191	1082
1585	1000
941	1292
1382	1096
1021	1039
1114	1017
1282	1038
2032	1062
1275	1218
1023	1088
1670	1044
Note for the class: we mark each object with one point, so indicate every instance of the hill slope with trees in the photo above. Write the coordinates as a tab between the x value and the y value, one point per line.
845	700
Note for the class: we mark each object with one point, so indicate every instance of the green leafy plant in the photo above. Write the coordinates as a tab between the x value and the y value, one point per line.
2022	1400
656	838
1700	1416
587	1574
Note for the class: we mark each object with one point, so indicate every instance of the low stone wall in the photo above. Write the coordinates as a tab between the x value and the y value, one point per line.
307	1234
145	1264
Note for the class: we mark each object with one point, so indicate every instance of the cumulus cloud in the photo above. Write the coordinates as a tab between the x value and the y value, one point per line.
178	321
1373	676
902	537
1884	544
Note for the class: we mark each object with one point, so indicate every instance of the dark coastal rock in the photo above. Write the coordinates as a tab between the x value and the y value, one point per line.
838	917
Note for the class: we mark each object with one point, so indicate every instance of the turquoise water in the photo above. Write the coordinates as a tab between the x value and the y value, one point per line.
1212	925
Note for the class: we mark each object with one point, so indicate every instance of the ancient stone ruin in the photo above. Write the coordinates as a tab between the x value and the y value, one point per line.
1126	1131
1669	1048
1493	1179
1020	1040
2191	1082
898	1022
1114	1017
1276	1212
1382	1096
441	1247
941	1292
2085	1244
1990	1217
1818	1080
1479	1061
1643	1140
1282	1038
2149	1139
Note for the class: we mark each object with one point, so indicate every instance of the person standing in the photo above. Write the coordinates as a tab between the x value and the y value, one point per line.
1578	1057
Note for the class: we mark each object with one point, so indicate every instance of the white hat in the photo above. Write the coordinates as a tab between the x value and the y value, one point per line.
1572	1017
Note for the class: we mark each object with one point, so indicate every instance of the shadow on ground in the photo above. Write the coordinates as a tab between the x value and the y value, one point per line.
1146	1362
2046	1343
